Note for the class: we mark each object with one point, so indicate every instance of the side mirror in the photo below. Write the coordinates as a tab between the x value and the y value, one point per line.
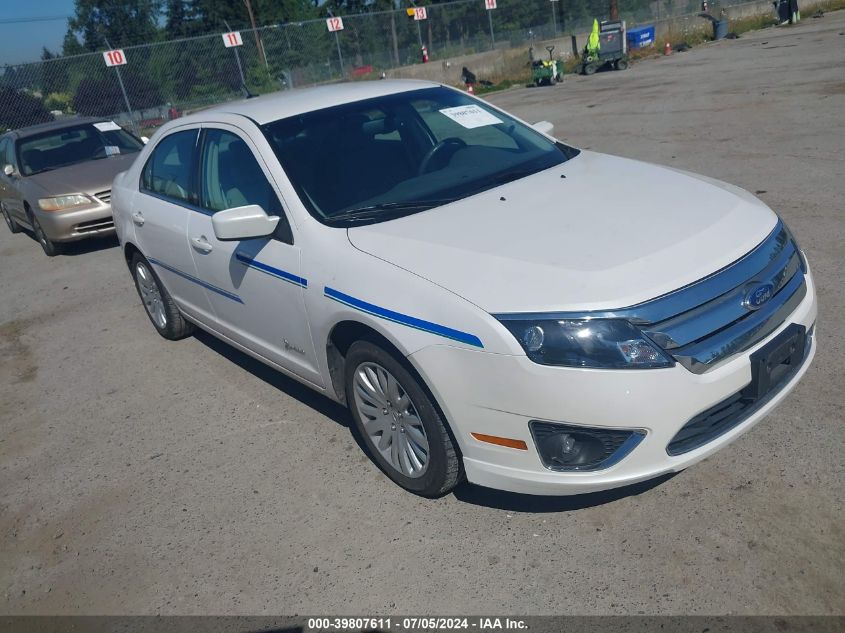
145	139
9	170
243	223
544	127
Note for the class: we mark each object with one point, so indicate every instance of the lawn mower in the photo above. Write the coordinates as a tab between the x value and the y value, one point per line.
545	72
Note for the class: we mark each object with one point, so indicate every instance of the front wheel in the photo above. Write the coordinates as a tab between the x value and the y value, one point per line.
14	227
51	248
158	303
622	64
399	423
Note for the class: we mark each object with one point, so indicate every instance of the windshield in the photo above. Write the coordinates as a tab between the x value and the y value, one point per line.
71	145
382	158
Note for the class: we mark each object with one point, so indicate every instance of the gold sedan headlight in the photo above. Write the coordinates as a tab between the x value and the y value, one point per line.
62	203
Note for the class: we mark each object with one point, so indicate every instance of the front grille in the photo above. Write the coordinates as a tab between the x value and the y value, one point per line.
710	320
731	412
104	196
94	226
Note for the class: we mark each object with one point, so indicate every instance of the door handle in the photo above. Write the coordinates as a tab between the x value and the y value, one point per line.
138	219
201	244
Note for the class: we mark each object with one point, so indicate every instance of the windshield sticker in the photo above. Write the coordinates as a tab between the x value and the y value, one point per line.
112	150
470	116
107	126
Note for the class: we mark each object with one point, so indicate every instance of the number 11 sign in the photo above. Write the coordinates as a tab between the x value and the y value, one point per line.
232	39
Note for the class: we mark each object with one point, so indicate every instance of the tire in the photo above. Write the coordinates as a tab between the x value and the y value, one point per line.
407	417
590	69
51	248
14	227
622	64
157	302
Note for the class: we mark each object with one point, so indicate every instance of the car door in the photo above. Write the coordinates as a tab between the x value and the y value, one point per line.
268	316
10	186
160	214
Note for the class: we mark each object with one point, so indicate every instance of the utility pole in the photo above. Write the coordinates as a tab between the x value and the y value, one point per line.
238	59
131	114
554	16
258	44
614	9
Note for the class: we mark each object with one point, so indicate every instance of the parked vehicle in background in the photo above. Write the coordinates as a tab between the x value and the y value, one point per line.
470	287
55	178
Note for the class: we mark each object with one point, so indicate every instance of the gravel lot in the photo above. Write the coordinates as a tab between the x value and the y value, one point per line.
141	476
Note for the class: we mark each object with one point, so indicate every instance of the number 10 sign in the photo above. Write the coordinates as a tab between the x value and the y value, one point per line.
115	57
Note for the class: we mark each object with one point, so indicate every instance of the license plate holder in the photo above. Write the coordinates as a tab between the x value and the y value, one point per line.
774	361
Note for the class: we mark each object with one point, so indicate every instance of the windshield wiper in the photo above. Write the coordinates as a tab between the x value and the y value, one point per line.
385	211
510	176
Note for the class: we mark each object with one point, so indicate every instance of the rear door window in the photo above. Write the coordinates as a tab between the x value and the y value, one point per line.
169	169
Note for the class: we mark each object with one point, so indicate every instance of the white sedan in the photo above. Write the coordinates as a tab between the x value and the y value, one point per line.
489	302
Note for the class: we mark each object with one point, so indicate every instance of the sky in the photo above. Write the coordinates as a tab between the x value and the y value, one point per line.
22	41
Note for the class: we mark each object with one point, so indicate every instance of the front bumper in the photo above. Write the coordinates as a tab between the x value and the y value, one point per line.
77	224
497	394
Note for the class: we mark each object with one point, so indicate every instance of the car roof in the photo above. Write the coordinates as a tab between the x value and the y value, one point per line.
280	105
32	130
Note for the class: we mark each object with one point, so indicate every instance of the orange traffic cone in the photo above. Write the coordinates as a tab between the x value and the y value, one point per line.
667	49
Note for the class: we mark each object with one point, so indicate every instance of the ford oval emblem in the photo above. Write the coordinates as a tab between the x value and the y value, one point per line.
758	296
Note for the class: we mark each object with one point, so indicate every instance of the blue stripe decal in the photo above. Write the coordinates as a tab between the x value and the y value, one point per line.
200	282
403	319
273	272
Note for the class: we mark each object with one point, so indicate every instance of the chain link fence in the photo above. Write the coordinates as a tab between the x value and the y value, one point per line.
163	80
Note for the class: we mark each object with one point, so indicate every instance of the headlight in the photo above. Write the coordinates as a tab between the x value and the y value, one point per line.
60	203
598	343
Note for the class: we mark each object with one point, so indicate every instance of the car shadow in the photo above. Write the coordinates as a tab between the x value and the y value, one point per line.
466	492
276	379
81	247
515	502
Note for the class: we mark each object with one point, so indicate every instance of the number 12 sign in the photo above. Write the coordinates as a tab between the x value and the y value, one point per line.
232	39
115	57
335	24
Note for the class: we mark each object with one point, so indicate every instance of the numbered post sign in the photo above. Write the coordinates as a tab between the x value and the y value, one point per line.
420	13
232	39
334	24
490	4
115	57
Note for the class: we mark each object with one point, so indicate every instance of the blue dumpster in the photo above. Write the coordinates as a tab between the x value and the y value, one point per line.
641	36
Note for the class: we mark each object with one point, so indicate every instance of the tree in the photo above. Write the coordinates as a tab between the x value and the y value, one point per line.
121	22
18	109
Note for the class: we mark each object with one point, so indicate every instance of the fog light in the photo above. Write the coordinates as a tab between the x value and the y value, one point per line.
564	447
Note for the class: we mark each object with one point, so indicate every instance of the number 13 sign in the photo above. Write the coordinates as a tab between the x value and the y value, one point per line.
115	57
335	24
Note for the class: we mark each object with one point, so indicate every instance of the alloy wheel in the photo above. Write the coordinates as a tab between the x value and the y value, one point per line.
150	295
390	419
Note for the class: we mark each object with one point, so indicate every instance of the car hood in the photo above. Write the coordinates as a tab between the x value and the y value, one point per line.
613	233
92	176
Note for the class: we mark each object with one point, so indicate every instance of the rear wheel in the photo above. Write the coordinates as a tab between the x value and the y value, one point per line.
158	303
51	248
622	64
590	69
399	423
14	227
